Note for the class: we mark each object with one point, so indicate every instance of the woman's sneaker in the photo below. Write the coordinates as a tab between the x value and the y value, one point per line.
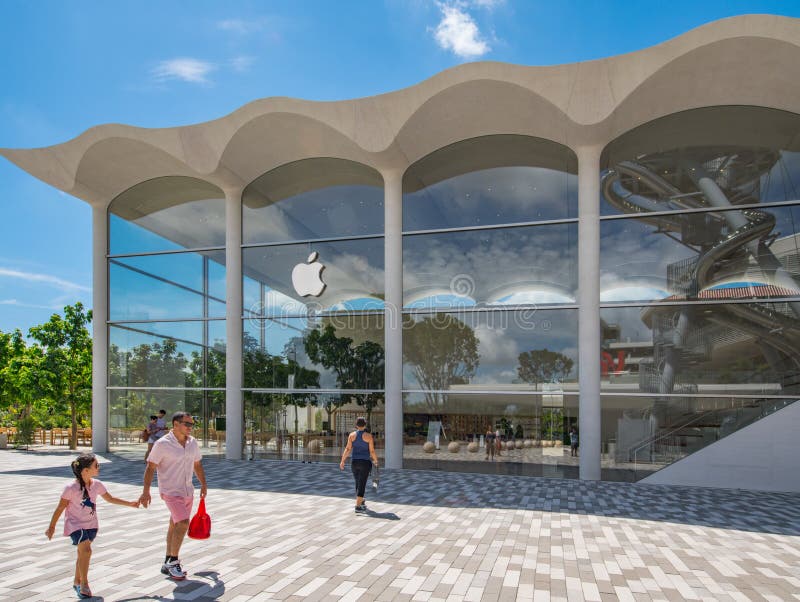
361	509
173	570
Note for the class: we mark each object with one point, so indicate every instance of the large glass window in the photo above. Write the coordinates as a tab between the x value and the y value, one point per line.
166	334
711	206
334	352
130	410
702	255
160	287
491	180
710	157
498	432
166	214
313	298
310	425
349	272
490	239
529	265
642	434
483	349
731	348
167	354
313	199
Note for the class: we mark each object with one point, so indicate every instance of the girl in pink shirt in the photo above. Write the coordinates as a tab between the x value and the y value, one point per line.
80	521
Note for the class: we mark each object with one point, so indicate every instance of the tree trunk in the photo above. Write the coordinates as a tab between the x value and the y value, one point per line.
73	436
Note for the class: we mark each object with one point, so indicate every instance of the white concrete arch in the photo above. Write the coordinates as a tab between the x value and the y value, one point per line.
478	108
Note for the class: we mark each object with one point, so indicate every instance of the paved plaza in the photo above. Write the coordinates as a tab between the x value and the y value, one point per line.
287	531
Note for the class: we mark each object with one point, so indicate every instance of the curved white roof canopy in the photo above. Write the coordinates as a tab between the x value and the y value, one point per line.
746	60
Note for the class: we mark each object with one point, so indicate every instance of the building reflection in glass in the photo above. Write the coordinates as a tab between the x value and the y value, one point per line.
709	240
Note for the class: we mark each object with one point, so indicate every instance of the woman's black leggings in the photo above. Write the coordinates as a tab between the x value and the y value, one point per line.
361	470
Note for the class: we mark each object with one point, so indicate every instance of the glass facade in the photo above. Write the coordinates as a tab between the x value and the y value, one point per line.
699	299
166	331
699	281
489	291
313	300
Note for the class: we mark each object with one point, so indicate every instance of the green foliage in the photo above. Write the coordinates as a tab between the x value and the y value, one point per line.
358	366
442	351
60	368
25	427
148	365
21	383
543	366
263	370
207	369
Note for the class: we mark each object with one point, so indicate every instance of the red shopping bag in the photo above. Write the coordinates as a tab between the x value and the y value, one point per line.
200	525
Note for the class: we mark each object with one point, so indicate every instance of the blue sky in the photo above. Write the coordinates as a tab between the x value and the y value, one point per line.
67	66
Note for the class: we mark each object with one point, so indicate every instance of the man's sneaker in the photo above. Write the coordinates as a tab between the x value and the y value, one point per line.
362	509
173	570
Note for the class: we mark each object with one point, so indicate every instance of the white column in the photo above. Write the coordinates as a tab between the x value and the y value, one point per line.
234	410
589	310
393	333
99	330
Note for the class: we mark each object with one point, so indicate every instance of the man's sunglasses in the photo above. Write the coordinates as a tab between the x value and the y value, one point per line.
189	424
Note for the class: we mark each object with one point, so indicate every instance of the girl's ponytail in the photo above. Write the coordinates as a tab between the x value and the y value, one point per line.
78	464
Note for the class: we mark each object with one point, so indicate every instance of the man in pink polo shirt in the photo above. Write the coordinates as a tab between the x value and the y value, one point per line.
176	457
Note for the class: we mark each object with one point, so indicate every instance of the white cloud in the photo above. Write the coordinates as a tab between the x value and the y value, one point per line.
17	303
241	26
185	69
495	346
488	4
240	64
458	33
43	278
276	303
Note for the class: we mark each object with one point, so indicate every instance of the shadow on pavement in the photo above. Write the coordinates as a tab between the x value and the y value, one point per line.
756	511
192	589
383	515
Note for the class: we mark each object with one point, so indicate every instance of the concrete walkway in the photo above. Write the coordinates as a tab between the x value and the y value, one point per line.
287	531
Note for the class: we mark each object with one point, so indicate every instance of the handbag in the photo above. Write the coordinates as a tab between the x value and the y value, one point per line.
200	525
144	435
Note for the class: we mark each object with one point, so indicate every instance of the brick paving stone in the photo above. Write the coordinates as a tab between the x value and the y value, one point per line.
286	531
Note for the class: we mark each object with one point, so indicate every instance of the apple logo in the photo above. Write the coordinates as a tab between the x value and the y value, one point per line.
306	277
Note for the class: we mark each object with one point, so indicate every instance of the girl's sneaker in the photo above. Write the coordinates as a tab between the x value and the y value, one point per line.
84	593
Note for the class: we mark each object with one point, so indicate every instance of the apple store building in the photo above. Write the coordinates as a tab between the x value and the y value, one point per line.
584	271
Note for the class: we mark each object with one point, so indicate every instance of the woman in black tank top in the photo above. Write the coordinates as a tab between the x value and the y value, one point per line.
362	447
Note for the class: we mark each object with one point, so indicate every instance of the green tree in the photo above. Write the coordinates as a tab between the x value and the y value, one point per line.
66	366
267	371
207	369
543	366
7	389
260	368
356	366
21	377
157	364
442	351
